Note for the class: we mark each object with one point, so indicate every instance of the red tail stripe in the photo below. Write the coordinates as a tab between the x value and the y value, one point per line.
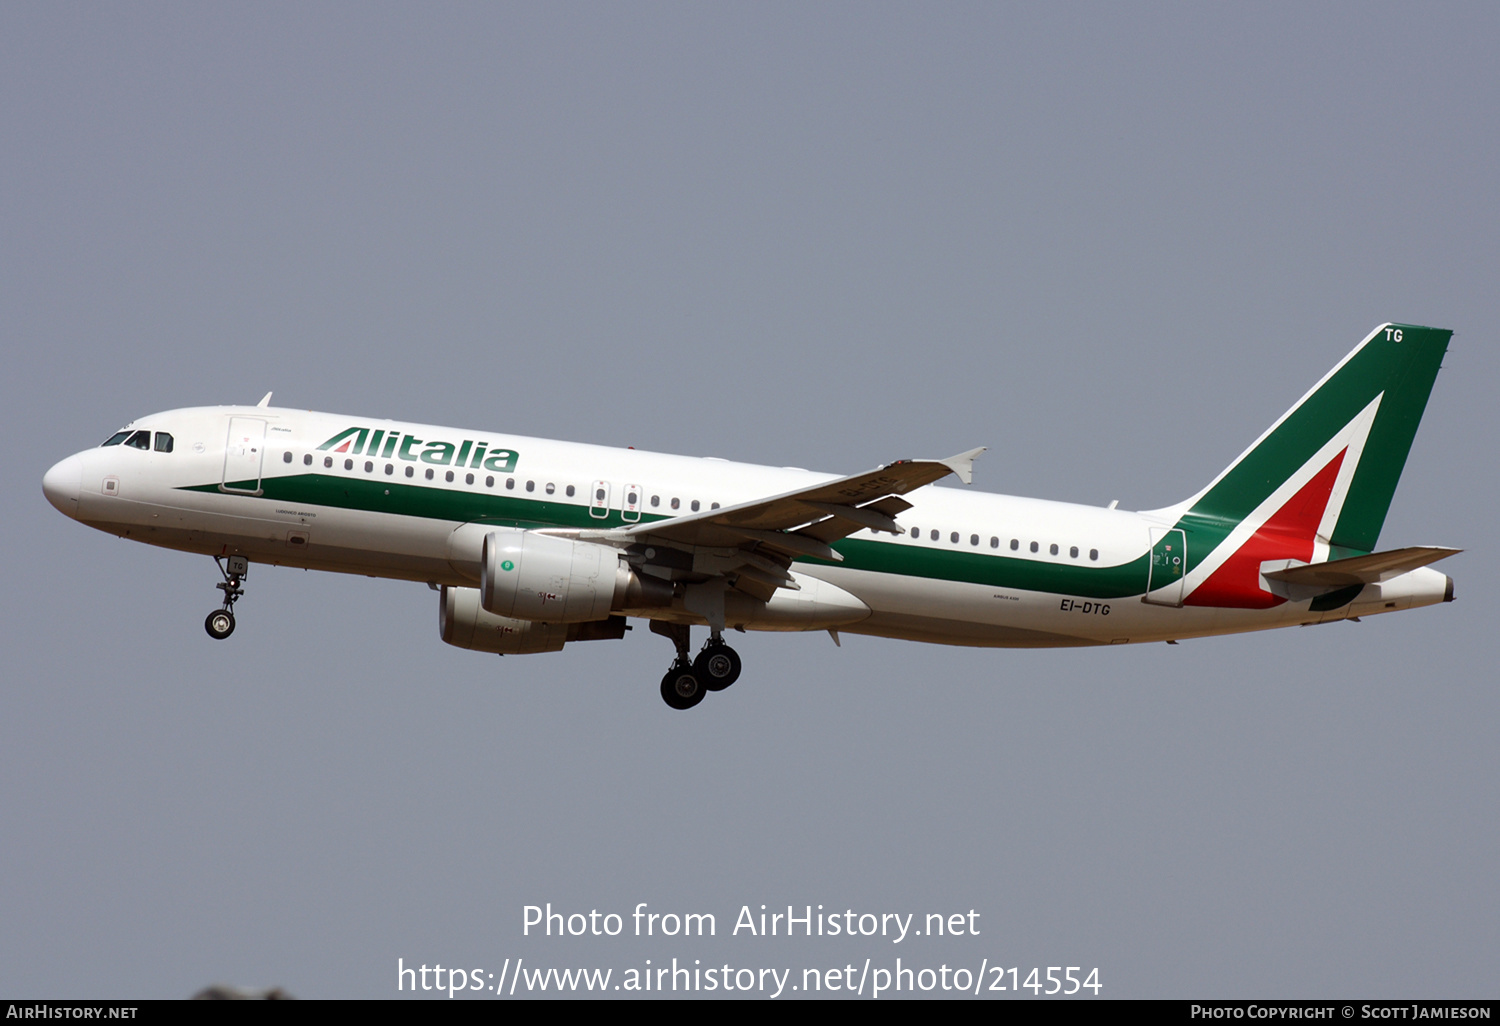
1288	533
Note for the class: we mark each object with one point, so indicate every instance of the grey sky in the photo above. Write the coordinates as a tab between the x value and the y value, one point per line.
1112	242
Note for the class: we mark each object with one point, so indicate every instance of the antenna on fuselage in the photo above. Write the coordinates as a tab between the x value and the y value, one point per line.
265	401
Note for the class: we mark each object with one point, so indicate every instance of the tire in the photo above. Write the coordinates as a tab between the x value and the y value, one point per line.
681	689
717	666
219	624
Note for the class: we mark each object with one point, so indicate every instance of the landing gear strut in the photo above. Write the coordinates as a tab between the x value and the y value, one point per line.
688	680
220	623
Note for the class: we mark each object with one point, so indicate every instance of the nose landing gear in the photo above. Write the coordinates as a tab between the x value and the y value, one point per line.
220	623
688	680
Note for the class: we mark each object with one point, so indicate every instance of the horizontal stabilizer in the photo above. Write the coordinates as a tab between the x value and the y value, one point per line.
1371	569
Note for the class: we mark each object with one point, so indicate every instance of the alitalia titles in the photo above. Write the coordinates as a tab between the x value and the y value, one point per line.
406	446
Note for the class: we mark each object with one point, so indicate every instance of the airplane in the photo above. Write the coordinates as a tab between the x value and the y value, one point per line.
532	543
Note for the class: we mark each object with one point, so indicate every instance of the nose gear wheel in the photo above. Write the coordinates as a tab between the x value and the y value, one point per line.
220	623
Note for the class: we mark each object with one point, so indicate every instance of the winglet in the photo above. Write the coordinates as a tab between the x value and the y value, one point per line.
963	463
265	401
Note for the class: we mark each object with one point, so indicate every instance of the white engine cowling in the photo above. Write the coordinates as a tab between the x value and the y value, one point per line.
464	622
533	576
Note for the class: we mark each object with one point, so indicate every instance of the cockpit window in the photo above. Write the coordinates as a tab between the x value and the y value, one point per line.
117	438
163	442
139	440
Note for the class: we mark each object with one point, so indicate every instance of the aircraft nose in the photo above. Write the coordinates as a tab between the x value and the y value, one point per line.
61	484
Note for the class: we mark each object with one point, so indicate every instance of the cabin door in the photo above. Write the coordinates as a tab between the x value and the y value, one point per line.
243	450
1168	567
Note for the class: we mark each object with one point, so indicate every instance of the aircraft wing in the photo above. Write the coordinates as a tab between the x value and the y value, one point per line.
802	522
753	543
1371	569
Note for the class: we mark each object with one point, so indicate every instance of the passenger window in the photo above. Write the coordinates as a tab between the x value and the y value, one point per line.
953	537
510	484
369	467
994	543
390	469
973	539
286	457
570	491
1073	552
714	505
1015	544
116	438
327	462
428	475
655	499
489	482
448	477
551	487
163	442
916	532
1053	549
348	464
531	486
307	459
468	479
411	471
676	502
934	534
139	440
695	505
1035	547
1094	554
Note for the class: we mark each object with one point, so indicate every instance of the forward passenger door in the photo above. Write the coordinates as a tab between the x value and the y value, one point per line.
243	452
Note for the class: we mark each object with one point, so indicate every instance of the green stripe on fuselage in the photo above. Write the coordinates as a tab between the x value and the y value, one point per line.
507	510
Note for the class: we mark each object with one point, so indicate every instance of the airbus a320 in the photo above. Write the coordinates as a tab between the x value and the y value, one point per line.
533	544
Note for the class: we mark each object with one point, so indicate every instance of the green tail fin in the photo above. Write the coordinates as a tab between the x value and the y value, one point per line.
1355	426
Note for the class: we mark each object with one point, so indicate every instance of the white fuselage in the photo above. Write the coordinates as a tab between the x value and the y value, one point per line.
253	481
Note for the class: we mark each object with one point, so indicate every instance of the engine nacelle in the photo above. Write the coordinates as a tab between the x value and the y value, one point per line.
464	622
533	576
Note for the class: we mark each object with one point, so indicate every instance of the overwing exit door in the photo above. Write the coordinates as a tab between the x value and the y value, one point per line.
599	500
630	504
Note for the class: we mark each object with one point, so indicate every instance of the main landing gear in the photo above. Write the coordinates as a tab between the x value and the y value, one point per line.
716	667
220	623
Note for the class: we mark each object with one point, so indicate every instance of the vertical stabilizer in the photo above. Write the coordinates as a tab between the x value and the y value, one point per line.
1318	483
